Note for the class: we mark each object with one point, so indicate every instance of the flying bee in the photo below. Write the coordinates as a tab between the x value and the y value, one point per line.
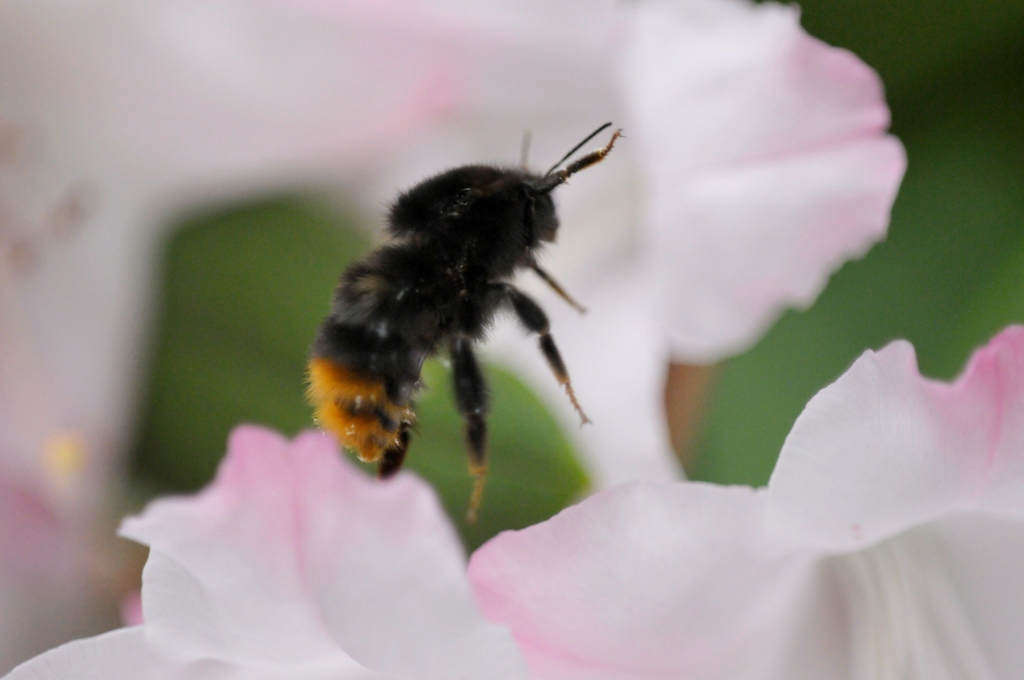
435	286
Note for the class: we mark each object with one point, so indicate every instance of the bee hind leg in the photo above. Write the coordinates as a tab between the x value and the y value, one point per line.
472	402
391	460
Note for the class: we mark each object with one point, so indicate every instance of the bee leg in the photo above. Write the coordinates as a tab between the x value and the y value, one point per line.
534	319
391	461
557	288
471	399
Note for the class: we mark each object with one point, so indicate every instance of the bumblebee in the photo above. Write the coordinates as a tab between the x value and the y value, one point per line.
434	287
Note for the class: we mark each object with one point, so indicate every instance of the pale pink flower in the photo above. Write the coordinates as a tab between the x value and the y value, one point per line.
114	116
154	107
147	110
292	564
765	160
48	592
887	544
730	216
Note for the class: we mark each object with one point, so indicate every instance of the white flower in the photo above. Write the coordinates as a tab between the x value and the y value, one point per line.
887	544
293	564
755	163
114	115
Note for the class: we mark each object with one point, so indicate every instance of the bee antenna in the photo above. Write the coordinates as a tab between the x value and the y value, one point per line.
524	150
577	148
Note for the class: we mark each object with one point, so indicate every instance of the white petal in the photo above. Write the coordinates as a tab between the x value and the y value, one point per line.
983	557
127	654
223	580
748	242
719	82
765	160
294	557
650	581
388	572
119	655
883	449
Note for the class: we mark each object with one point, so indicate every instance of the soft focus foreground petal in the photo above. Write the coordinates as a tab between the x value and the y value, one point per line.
648	581
751	133
224	578
294	557
883	449
983	557
388	572
119	655
126	654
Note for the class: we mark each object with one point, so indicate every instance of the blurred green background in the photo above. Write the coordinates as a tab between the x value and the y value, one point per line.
245	287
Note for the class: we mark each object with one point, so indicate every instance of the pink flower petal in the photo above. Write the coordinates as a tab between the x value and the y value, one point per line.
388	569
917	483
119	655
883	449
126	654
652	581
293	557
765	159
747	242
730	82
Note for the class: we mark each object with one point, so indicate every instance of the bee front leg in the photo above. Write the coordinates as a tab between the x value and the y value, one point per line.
471	399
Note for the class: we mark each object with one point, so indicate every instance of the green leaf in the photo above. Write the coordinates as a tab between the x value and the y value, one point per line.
244	291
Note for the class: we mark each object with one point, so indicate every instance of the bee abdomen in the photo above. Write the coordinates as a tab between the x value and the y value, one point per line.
355	408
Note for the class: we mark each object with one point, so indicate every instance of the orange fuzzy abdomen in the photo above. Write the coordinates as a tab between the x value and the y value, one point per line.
355	408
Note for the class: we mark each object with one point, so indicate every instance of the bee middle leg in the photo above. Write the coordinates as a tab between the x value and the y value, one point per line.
533	318
555	286
472	402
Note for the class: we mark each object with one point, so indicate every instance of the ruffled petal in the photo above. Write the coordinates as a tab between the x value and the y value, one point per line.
747	242
667	581
389	574
292	557
224	578
765	160
883	449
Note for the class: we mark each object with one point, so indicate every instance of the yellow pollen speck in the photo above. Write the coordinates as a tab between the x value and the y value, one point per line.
64	456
